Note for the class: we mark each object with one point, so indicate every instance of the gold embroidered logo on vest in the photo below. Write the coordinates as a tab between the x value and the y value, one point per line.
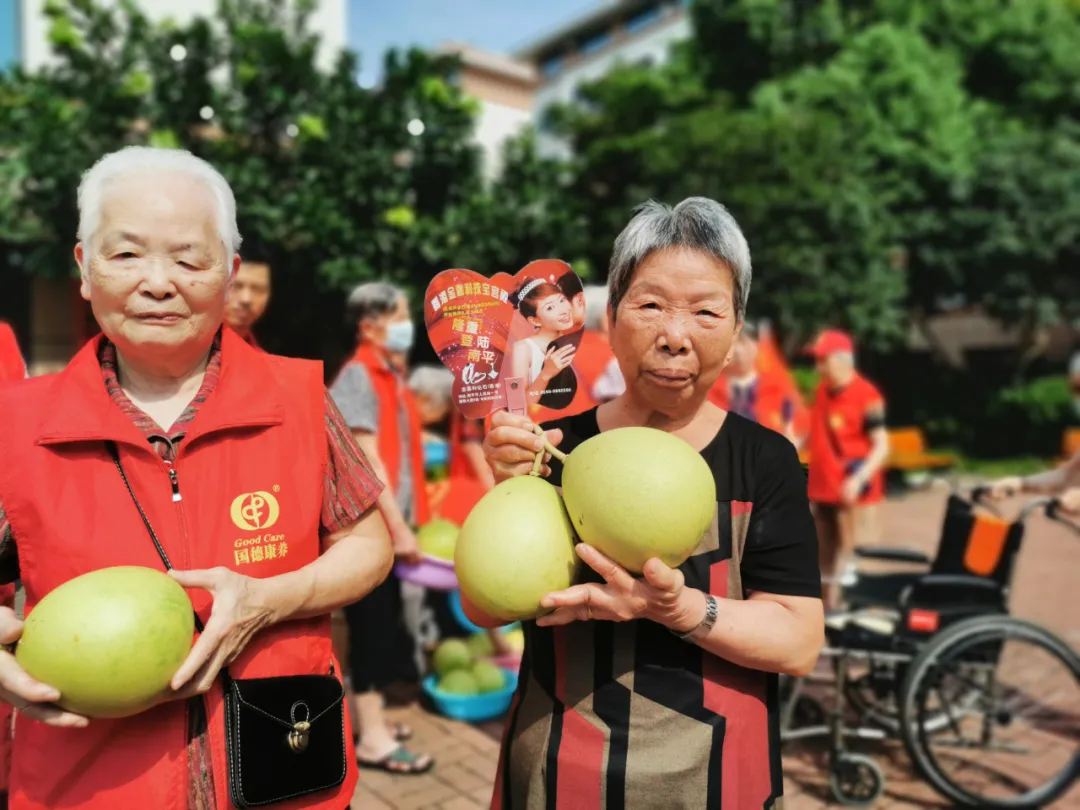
254	510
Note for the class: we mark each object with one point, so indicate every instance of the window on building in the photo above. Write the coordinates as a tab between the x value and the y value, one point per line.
596	43
643	19
551	66
10	34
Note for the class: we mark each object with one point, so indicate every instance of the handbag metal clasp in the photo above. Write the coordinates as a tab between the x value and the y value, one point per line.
300	735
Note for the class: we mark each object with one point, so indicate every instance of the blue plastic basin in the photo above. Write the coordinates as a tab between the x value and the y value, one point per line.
472	708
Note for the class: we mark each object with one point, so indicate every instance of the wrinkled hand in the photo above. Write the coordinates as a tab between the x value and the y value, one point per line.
1005	488
510	447
239	612
660	596
30	698
851	489
406	546
1070	501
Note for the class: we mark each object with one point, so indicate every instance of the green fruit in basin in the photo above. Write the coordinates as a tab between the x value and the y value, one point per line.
480	645
515	546
635	493
438	538
459	682
489	678
110	640
452	654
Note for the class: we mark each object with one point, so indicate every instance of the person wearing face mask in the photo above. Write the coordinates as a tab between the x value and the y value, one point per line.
373	396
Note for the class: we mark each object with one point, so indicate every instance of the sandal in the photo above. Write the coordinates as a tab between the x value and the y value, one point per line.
400	761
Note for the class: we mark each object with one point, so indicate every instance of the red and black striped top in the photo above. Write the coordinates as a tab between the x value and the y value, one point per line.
625	715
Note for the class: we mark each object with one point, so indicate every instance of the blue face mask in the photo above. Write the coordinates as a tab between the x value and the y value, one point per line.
399	336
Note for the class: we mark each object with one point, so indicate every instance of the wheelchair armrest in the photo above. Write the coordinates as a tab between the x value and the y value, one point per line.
893	555
951	589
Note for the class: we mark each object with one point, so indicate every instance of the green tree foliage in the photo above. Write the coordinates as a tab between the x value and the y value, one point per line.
333	186
883	156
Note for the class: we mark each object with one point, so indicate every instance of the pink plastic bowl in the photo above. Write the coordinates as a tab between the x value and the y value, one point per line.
438	575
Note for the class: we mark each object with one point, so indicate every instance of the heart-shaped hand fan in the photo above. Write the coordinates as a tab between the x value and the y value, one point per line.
508	335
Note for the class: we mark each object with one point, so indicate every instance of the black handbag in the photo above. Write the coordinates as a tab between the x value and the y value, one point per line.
284	736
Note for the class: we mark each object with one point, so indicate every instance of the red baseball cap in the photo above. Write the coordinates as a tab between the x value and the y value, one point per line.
831	341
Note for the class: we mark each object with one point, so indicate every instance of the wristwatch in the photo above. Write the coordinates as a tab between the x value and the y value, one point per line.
706	623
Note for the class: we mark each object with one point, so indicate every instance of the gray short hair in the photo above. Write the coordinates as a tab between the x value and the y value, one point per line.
111	167
433	382
596	300
373	299
697	223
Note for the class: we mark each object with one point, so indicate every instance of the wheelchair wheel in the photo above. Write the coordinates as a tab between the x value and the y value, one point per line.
1011	693
856	780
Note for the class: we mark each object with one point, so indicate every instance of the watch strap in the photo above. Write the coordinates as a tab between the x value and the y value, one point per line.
707	622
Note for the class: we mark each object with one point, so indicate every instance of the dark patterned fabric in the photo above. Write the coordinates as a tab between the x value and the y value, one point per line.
625	715
350	488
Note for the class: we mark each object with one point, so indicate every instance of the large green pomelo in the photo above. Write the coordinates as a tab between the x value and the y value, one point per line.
515	546
450	655
635	493
437	538
480	645
459	682
110	640
489	677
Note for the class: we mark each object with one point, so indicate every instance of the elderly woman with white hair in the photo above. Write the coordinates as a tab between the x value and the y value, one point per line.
661	690
169	441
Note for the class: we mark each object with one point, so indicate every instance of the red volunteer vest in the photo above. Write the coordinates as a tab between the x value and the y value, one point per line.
838	441
12	366
250	477
392	395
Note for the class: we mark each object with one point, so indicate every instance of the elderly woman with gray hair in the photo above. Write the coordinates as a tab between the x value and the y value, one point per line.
661	690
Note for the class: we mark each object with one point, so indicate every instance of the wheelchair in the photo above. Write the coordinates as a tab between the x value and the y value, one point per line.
926	656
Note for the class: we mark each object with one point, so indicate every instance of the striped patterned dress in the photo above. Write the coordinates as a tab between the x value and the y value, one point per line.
625	715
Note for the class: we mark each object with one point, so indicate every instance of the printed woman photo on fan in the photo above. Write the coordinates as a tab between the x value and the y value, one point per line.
544	358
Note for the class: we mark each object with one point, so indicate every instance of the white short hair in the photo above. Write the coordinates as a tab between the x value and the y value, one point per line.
697	223
130	159
434	382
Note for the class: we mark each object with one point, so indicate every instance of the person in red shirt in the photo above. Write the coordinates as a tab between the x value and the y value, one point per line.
848	446
12	365
249	294
767	397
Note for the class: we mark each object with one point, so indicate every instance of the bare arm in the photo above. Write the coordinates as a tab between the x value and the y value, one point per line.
356	560
395	520
768	632
879	452
1055	481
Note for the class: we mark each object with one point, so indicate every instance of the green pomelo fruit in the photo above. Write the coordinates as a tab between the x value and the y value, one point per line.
635	493
110	640
480	645
459	682
489	678
452	654
438	538
515	546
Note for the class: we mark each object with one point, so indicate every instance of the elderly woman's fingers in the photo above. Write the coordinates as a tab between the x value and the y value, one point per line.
202	651
507	419
52	715
18	688
611	571
564	615
10	626
590	594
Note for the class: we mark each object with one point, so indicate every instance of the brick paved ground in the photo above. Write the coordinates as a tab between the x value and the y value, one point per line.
1045	592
